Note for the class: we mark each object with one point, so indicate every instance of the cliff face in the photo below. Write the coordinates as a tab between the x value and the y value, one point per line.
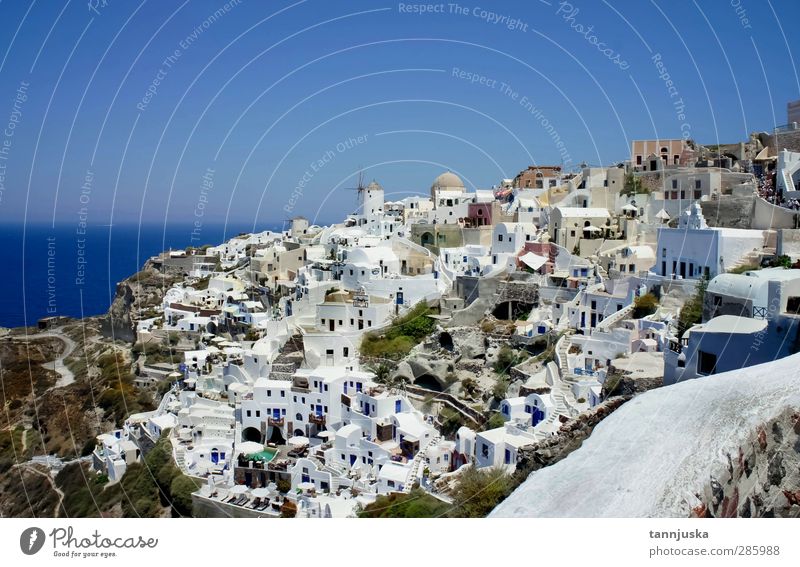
722	445
135	299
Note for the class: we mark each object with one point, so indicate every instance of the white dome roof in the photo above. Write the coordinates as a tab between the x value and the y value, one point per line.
374	186
447	181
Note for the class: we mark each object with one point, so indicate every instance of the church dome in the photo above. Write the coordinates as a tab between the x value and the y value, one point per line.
447	181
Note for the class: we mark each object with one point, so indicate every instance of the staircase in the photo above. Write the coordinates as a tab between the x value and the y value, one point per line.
288	360
180	459
419	460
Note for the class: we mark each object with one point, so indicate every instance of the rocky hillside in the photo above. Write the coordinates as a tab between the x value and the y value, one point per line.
723	445
136	298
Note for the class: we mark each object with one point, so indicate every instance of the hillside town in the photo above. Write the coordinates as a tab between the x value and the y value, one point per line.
310	372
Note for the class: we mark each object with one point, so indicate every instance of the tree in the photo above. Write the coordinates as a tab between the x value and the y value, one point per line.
181	494
633	185
692	311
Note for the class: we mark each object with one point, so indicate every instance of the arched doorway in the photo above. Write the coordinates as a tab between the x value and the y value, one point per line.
429	382
275	435
427	239
446	341
511	310
251	434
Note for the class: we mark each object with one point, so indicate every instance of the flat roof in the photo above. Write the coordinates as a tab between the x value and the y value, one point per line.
732	324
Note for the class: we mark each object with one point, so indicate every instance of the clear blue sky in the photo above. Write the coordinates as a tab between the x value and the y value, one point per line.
261	92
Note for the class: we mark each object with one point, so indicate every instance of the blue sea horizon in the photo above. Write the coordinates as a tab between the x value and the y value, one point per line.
55	270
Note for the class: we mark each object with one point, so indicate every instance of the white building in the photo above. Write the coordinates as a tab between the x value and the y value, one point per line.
694	249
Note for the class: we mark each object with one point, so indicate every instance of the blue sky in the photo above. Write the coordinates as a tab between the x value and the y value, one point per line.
270	95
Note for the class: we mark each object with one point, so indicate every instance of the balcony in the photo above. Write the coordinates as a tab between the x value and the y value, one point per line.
275	421
316	419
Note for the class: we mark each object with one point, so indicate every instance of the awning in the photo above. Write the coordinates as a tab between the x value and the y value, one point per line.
533	261
298	441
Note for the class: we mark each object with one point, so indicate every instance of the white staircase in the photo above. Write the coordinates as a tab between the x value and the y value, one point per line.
417	464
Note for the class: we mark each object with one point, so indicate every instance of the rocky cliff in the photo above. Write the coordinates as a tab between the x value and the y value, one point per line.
136	297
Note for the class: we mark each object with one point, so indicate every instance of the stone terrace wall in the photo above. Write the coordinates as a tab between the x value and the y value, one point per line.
762	479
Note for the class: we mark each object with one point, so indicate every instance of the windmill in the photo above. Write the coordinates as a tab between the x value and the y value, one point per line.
360	187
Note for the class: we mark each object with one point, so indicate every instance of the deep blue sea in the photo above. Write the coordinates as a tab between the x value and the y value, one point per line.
41	272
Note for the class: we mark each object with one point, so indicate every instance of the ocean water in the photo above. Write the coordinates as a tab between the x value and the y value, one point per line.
56	271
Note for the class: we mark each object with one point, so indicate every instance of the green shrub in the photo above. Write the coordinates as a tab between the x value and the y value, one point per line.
500	388
494	422
506	358
644	305
478	492
415	504
404	333
284	485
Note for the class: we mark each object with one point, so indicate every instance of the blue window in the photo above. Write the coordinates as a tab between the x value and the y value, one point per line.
508	456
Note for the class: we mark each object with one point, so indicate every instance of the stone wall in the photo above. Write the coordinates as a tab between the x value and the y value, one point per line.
788	243
762	479
523	292
569	438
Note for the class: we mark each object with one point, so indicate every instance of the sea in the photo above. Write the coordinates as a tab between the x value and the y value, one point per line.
52	271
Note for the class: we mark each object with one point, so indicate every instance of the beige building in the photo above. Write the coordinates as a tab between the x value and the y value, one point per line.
278	262
538	177
646	153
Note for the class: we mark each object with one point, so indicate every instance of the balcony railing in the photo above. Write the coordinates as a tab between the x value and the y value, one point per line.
275	421
316	419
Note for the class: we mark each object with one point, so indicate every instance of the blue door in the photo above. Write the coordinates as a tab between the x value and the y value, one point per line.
214	457
397	405
352	460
